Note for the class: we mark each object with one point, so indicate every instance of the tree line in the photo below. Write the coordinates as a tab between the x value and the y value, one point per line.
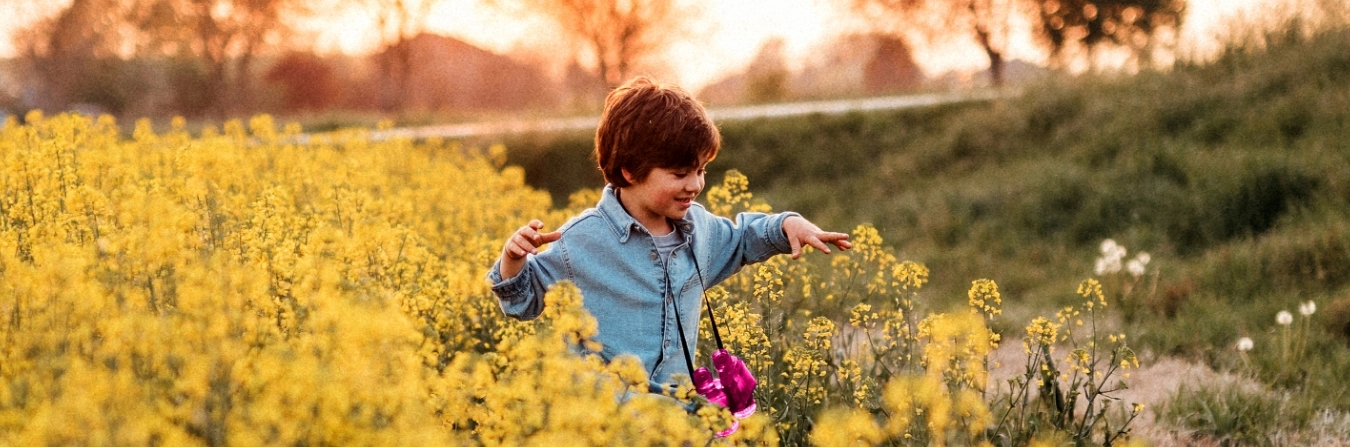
206	53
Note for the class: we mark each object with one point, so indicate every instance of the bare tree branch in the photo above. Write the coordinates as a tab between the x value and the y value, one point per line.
618	34
398	22
223	35
987	22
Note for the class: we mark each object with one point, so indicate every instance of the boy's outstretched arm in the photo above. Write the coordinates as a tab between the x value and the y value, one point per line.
525	241
801	232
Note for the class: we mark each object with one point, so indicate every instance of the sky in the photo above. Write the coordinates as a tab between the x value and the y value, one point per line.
738	29
732	34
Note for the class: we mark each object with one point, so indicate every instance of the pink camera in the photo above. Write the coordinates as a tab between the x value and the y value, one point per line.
711	389
734	386
737	383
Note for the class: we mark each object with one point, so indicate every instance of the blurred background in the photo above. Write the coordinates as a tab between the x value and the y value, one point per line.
418	61
1211	137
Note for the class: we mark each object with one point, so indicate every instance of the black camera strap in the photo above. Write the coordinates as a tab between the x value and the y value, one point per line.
703	293
679	326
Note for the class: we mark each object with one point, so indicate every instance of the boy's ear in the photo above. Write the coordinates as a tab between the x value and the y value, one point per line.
628	176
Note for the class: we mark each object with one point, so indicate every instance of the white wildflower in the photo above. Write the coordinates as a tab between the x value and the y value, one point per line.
1284	318
1245	344
1112	255
1307	308
1101	267
1108	246
1135	267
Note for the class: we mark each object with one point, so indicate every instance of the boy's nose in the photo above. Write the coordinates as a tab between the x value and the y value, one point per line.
695	185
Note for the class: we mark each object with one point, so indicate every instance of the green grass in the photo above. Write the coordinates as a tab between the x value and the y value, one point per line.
1228	413
1234	174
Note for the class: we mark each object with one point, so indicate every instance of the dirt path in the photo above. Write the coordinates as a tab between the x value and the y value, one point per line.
463	130
1152	384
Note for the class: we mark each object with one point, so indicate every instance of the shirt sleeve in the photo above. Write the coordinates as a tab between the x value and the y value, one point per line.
522	296
750	239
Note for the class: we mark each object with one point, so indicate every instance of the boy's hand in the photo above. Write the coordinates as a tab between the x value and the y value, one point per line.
802	232
525	241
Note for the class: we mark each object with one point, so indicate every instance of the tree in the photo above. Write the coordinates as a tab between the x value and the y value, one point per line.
309	81
103	51
988	22
767	73
223	36
891	67
66	52
1089	24
618	34
398	22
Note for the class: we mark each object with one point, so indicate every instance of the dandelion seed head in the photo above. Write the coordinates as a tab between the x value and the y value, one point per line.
1135	267
1108	246
1307	308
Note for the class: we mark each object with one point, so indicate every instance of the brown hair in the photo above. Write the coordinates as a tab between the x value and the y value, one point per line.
647	125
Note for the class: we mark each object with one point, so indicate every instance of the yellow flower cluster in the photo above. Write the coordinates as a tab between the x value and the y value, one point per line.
733	197
912	275
749	339
1041	332
1075	393
862	317
534	390
819	333
808	372
983	297
256	286
253	285
1092	290
956	347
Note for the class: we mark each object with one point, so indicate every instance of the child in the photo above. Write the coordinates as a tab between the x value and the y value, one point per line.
644	254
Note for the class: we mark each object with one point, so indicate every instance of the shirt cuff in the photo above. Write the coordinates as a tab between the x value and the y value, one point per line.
513	289
779	238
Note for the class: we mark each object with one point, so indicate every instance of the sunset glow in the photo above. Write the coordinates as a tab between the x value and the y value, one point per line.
734	33
731	35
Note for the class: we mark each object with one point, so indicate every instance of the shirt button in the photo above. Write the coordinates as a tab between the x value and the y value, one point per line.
653	256
667	343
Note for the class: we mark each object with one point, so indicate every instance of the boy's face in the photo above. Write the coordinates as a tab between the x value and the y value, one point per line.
663	194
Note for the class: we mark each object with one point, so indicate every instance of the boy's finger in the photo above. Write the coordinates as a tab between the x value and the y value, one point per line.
513	251
550	237
820	245
529	233
796	247
522	244
838	239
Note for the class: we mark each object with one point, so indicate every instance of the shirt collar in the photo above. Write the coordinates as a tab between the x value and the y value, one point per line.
623	224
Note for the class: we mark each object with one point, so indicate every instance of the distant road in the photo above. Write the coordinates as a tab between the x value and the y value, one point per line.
718	114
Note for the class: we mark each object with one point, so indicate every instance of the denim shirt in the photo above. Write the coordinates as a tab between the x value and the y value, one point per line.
627	287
